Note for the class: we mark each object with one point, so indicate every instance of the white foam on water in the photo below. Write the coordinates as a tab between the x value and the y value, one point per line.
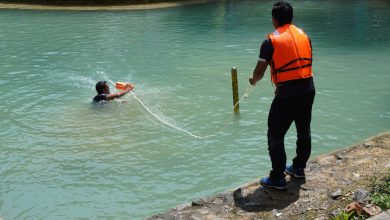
167	123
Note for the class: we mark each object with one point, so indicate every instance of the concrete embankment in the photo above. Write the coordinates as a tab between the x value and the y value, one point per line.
96	6
333	181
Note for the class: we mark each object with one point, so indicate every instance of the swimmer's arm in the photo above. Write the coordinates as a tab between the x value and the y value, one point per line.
121	93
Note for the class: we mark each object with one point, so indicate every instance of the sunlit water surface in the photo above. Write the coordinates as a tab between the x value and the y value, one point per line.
63	158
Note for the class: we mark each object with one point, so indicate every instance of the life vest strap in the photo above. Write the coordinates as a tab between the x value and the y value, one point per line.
282	69
294	68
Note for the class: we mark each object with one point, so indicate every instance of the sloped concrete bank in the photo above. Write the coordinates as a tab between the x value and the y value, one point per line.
124	6
333	181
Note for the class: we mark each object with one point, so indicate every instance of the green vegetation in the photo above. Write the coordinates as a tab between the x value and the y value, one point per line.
380	196
381	192
343	216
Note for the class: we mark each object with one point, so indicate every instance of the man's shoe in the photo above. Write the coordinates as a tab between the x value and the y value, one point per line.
296	172
281	184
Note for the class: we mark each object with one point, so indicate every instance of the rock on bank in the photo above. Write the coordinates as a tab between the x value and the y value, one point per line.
341	172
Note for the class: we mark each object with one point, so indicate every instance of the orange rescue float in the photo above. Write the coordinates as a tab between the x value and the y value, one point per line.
123	85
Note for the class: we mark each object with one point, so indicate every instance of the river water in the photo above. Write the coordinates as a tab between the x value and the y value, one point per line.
63	158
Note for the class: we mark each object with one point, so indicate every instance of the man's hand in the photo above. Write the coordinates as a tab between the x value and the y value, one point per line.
252	81
130	86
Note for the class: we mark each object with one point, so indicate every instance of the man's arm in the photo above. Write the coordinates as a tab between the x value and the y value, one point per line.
258	73
265	57
129	88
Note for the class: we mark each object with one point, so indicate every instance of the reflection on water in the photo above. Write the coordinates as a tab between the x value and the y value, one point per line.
60	153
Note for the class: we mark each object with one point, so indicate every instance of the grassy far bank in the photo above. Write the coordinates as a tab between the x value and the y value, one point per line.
93	5
87	2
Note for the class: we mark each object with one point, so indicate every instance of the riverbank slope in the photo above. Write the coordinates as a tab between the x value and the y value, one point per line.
102	6
332	182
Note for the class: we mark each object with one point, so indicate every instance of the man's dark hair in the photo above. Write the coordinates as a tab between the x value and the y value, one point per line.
283	12
100	86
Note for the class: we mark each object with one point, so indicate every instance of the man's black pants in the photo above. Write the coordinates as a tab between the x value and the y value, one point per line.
283	112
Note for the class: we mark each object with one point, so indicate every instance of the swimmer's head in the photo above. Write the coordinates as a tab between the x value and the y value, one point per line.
102	87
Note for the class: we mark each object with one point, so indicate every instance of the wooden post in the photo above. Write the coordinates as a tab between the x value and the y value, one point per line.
235	90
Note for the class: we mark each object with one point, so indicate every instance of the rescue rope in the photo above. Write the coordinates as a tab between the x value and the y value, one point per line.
246	95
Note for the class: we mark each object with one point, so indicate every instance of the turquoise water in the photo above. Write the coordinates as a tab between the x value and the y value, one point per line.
62	158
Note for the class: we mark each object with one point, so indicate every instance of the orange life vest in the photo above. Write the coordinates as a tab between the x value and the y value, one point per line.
292	56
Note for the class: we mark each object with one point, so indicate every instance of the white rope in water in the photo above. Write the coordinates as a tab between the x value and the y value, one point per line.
246	95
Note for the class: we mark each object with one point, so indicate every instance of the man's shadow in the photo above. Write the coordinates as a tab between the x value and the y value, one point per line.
266	199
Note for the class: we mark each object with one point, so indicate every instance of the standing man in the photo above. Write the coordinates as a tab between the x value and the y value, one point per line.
288	51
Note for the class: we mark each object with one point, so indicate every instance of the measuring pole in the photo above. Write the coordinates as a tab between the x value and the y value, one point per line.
235	90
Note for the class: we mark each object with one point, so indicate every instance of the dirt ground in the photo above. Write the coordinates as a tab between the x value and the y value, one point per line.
331	182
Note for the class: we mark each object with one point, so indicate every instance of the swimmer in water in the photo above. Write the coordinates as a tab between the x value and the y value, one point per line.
104	94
